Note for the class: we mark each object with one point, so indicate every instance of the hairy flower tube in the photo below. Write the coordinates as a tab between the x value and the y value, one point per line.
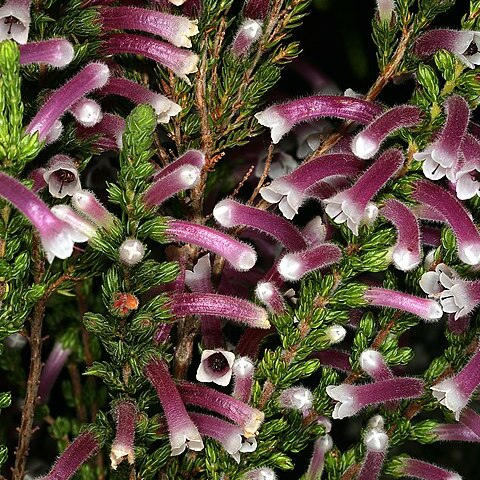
53	366
269	294
441	156
455	392
454	432
110	129
247	417
465	44
56	235
296	398
471	419
373	364
352	398
76	454
422	307
256	9
411	467
337	359
225	306
352	205
376	444
125	414
87	204
173	28
282	118
386	9
263	473
456	215
163	106
293	266
321	447
79	223
243	370
216	367
367	143
87	112
61	176
240	255
406	252
248	33
291	190
179	61
230	213
15	20
466	175
194	158
182	430
56	52
91	77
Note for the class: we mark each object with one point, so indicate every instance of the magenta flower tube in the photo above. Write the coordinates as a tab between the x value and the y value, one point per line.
123	445
454	432
367	143
248	418
236	309
352	398
351	205
249	343
243	370
320	448
50	372
111	127
456	215
422	307
56	52
282	118
414	468
269	294
94	75
248	33
240	255
291	190
230	213
333	358
256	9
76	454
293	266
195	158
179	61
376	444
183	432
406	253
471	419
87	204
373	364
173	28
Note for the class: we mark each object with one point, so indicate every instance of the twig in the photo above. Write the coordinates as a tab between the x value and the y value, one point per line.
262	179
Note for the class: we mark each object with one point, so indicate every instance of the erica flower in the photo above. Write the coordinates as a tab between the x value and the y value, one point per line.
216	366
455	392
262	473
351	205
320	448
89	206
433	282
61	175
243	370
414	468
248	33
110	129
15	20
183	432
269	294
282	118
455	214
464	44
87	112
57	236
56	52
291	190
460	296
373	363
367	143
454	432
53	366
296	398
352	398
376	444
466	174
78	223
256	9
441	156
131	252
194	158
123	445
471	419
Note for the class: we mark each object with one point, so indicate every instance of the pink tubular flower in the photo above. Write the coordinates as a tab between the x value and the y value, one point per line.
123	445
460	296
68	215
333	358
94	75
454	432
406	253
455	392
352	205
179	61
15	20
352	398
456	215
248	418
282	118
465	44
367	143
183	432
240	255
88	205
414	468
440	158
263	473
111	127
55	362
248	33
61	176
471	419
466	175
76	454
373	363
297	398
269	294
230	213
292	190
376	444
163	106
243	370
236	309
256	9
195	158
320	448
57	236
87	112
422	307
216	366
56	52
293	266
173	28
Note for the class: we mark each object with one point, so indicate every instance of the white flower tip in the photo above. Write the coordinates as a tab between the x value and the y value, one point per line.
247	260
64	54
243	367
364	147
252	28
177	2
131	252
189	175
435	311
54	133
164	108
290	268
120	453
376	422
278	125
469	254
223	213
264	291
325	443
376	440
405	260
102	74
89	113
335	333
370	360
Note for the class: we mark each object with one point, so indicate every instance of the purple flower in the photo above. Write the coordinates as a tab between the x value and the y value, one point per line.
78	223
455	392
256	9
321	447
111	129
263	473
269	294
454	432
414	468
248	33
183	432
464	44
282	118
333	358
367	143
15	20
297	398
53	366
194	158
61	176
56	52
466	175
471	419
352	398
89	206
216	366
243	370
376	444
87	112
373	364
123	446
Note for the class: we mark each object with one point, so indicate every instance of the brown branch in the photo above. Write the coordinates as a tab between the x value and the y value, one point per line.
262	179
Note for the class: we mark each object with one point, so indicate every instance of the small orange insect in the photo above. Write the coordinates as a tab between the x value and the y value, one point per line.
124	303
